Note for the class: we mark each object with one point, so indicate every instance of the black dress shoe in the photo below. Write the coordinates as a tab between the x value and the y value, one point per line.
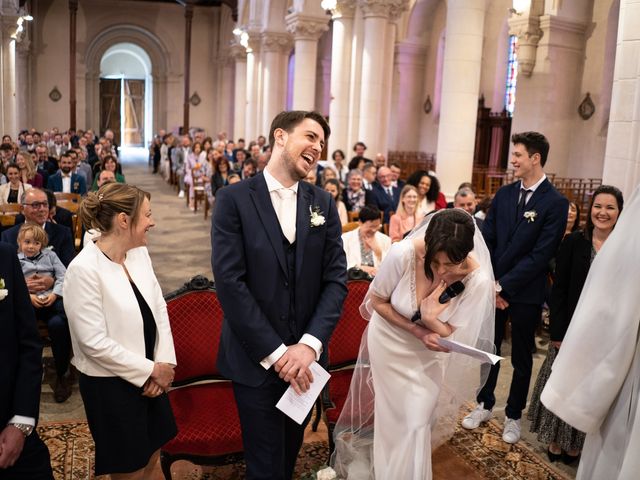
569	459
553	457
62	389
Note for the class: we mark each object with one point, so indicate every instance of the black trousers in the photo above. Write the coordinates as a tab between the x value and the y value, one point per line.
58	327
33	463
524	320
271	439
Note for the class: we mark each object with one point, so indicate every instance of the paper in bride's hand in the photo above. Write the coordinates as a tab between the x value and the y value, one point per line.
297	406
458	347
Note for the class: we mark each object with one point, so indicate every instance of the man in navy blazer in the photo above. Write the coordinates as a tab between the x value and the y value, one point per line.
280	273
23	455
385	195
76	183
522	230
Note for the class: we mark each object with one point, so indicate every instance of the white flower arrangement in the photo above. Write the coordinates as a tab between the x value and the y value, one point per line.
316	217
326	474
530	216
3	291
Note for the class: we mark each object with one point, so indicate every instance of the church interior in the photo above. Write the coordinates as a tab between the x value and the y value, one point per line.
435	85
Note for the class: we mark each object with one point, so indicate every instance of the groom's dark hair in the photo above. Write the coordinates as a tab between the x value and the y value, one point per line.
290	120
534	142
449	231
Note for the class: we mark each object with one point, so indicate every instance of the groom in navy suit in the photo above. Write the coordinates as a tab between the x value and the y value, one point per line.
280	273
522	230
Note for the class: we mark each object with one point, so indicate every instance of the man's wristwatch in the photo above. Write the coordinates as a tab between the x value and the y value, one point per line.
24	428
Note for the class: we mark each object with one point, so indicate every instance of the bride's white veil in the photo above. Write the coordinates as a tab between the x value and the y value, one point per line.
463	376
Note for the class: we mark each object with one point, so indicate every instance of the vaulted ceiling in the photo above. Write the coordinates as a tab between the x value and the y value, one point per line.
233	4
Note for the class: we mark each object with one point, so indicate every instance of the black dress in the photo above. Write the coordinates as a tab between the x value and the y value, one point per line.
127	427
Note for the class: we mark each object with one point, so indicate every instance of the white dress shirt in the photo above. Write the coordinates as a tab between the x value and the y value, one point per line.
286	207
66	183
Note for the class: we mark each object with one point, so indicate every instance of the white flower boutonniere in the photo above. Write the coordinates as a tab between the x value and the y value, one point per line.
530	216
316	217
3	291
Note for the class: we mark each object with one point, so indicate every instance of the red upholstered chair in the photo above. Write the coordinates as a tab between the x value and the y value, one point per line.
343	353
202	400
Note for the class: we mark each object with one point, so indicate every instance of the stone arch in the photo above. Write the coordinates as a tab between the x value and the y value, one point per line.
151	44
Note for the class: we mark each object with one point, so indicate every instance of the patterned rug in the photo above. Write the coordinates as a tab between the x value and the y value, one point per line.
481	450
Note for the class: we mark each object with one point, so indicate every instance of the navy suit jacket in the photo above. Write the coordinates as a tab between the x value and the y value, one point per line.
78	183
383	201
59	238
521	249
20	345
253	282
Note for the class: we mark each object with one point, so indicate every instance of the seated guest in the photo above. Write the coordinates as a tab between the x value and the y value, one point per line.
105	176
429	196
407	215
110	163
369	172
249	168
355	196
121	335
332	186
337	164
35	208
12	191
573	219
66	181
222	174
28	172
366	247
45	165
359	148
396	171
384	195
24	456
35	259
466	200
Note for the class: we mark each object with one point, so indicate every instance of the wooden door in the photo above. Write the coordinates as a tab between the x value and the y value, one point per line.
134	113
110	90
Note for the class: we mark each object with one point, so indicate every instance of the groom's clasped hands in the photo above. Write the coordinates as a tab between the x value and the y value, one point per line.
293	367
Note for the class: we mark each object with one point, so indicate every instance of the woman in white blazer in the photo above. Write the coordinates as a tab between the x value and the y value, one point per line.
12	191
366	247
120	334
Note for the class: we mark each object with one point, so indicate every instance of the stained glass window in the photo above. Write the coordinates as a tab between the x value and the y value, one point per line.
512	75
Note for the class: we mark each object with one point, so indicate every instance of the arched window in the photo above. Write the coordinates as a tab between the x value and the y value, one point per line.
512	75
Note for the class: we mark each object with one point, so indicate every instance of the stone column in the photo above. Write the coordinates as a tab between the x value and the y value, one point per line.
239	55
306	31
410	62
377	35
460	91
8	75
340	74
23	114
276	47
253	84
622	156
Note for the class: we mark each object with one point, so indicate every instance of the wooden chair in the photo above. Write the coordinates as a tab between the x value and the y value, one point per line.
200	195
348	227
206	414
353	216
7	220
70	205
343	354
10	208
69	197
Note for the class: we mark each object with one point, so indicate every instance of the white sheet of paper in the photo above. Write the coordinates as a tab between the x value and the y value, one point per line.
458	347
297	406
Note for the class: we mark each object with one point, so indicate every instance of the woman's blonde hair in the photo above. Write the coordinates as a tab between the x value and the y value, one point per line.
28	163
39	234
98	209
400	210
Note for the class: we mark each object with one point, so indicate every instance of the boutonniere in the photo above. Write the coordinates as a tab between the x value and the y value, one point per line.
3	291
316	217
49	247
531	215
76	185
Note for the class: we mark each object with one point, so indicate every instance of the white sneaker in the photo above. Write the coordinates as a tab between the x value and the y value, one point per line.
181	194
511	432
476	417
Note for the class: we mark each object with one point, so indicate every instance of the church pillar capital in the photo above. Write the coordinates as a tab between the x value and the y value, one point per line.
278	42
527	30
344	9
238	52
304	27
390	9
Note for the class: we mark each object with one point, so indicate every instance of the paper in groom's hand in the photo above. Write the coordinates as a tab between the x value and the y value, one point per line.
297	407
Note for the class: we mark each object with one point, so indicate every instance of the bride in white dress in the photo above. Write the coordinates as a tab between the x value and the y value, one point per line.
418	385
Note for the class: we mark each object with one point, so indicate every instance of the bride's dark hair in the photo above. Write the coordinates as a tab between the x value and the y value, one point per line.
449	231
